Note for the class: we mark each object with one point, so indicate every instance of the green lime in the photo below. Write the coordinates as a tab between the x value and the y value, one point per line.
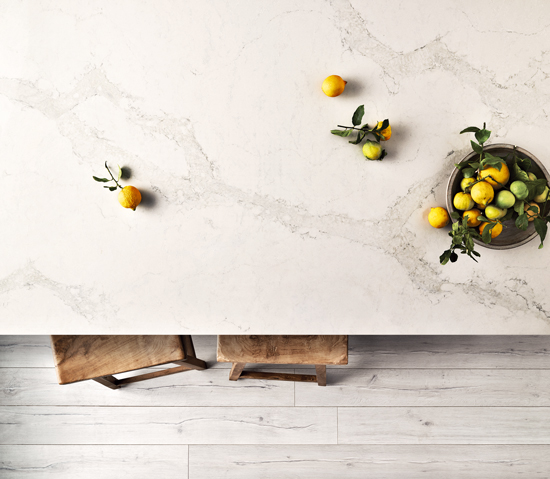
519	188
532	176
505	199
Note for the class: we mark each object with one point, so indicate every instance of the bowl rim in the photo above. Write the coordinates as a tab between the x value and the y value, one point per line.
471	155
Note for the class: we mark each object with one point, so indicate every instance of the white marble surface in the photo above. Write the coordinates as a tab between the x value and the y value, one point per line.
256	219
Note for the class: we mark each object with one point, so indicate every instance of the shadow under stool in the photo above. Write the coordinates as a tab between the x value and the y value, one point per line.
79	358
316	350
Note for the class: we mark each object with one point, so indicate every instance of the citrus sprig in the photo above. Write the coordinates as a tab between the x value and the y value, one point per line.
107	180
363	131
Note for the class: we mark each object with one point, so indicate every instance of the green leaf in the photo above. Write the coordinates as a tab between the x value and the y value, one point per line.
519	174
119	172
384	125
522	222
468	172
474	165
508	215
524	163
518	207
341	132
359	139
486	235
461	165
476	147
476	253
455	215
494	161
541	227
483	218
445	257
112	188
358	115
482	135
102	180
470	129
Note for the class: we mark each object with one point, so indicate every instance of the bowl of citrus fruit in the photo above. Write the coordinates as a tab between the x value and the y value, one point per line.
500	190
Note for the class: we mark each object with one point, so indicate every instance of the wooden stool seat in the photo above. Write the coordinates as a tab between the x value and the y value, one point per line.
78	358
317	350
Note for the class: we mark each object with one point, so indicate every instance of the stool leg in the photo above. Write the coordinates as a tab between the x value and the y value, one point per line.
321	371
109	381
187	342
236	371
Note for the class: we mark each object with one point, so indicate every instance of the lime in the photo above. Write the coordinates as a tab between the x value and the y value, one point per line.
519	189
532	176
505	199
372	150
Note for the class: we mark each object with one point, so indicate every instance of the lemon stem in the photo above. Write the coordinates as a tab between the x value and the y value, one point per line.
121	187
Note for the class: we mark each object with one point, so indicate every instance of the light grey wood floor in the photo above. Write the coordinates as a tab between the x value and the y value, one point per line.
430	407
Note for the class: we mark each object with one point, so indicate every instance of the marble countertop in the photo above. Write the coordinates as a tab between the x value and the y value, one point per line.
255	219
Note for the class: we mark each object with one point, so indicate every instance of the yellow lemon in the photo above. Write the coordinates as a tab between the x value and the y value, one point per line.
530	215
372	150
333	85
482	193
494	212
494	232
463	201
532	176
385	133
472	217
129	197
497	179
542	197
465	184
480	207
438	217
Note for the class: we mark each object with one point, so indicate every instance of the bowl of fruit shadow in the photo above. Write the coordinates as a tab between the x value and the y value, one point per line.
511	236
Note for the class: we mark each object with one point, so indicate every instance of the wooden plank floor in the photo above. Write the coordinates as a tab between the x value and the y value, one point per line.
430	407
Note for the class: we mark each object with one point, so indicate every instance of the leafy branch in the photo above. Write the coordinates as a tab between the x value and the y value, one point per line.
107	180
381	132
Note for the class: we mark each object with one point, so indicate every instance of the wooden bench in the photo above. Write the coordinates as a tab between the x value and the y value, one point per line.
317	350
78	358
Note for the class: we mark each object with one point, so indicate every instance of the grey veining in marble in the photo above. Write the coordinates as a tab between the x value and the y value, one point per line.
254	218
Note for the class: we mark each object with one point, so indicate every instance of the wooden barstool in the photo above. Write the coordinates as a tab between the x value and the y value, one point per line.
317	350
78	358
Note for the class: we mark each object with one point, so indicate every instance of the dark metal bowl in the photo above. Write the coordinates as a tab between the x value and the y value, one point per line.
511	237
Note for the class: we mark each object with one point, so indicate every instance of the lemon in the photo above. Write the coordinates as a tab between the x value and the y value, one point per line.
466	183
385	133
519	188
530	215
129	197
497	178
482	193
438	217
494	212
333	85
532	176
463	201
472	217
480	207
372	150
542	197
505	199
494	232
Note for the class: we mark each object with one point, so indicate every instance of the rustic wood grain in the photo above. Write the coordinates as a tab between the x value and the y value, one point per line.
93	462
167	425
38	386
444	425
78	358
429	387
283	349
360	462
